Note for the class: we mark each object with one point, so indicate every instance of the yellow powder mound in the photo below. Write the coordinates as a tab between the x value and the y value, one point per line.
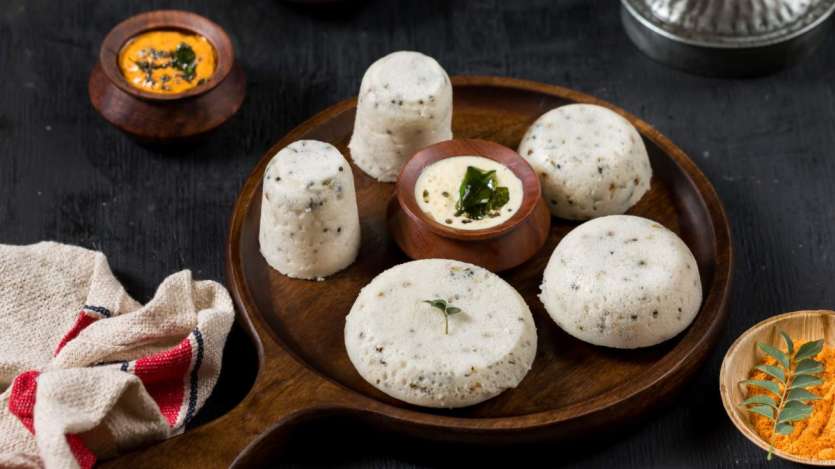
815	436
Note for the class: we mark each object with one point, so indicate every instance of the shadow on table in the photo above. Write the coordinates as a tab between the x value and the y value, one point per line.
345	11
328	10
240	365
341	442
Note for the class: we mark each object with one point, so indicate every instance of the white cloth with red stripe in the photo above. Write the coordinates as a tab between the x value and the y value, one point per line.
86	372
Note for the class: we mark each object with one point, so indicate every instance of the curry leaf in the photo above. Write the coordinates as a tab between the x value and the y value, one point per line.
809	367
500	197
805	381
772	371
784	428
800	394
184	53
789	343
184	60
809	350
770	386
764	410
796	405
761	399
480	194
793	413
774	353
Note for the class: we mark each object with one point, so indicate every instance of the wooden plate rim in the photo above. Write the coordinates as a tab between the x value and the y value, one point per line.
104	95
652	377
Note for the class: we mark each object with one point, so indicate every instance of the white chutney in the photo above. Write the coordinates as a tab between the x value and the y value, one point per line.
437	191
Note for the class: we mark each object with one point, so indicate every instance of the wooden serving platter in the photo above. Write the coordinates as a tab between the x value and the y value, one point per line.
297	325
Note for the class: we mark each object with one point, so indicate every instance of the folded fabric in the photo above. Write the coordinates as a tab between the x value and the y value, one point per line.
86	372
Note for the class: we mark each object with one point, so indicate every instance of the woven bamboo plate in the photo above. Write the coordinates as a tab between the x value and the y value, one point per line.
743	355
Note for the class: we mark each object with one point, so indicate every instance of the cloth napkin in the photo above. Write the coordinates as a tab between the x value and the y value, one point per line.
86	372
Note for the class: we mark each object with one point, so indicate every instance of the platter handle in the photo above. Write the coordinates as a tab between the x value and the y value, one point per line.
284	394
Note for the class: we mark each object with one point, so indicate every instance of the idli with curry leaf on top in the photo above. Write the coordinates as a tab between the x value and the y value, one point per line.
440	333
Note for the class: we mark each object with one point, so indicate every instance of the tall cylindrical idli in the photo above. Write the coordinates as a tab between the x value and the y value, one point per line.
622	281
309	220
591	161
440	333
405	104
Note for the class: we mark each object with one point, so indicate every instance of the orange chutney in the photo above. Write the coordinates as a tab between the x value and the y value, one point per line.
814	437
167	62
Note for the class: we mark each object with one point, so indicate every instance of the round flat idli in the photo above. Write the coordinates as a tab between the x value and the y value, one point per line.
401	344
590	160
622	281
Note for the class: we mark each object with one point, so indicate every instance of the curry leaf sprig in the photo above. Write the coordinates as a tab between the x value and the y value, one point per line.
790	377
445	308
183	59
480	194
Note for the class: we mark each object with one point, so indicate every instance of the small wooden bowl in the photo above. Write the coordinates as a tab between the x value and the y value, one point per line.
743	356
158	117
496	248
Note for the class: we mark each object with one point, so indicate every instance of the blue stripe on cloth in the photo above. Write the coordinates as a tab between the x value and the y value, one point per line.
99	309
192	395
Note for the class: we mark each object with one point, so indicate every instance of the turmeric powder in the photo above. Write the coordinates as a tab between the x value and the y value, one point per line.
813	437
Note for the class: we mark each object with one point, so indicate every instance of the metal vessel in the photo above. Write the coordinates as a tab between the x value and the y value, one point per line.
732	38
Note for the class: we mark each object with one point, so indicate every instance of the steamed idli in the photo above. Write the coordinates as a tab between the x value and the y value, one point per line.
622	281
591	161
413	351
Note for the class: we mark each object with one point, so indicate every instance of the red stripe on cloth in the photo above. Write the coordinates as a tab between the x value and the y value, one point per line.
164	375
22	405
85	458
22	398
82	321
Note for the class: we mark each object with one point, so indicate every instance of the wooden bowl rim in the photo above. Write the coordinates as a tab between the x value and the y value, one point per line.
153	20
405	186
106	99
653	377
730	409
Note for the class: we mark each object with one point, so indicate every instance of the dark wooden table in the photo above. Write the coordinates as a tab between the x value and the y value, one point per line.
767	145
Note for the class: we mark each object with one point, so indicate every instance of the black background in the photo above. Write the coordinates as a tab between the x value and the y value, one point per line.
766	144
